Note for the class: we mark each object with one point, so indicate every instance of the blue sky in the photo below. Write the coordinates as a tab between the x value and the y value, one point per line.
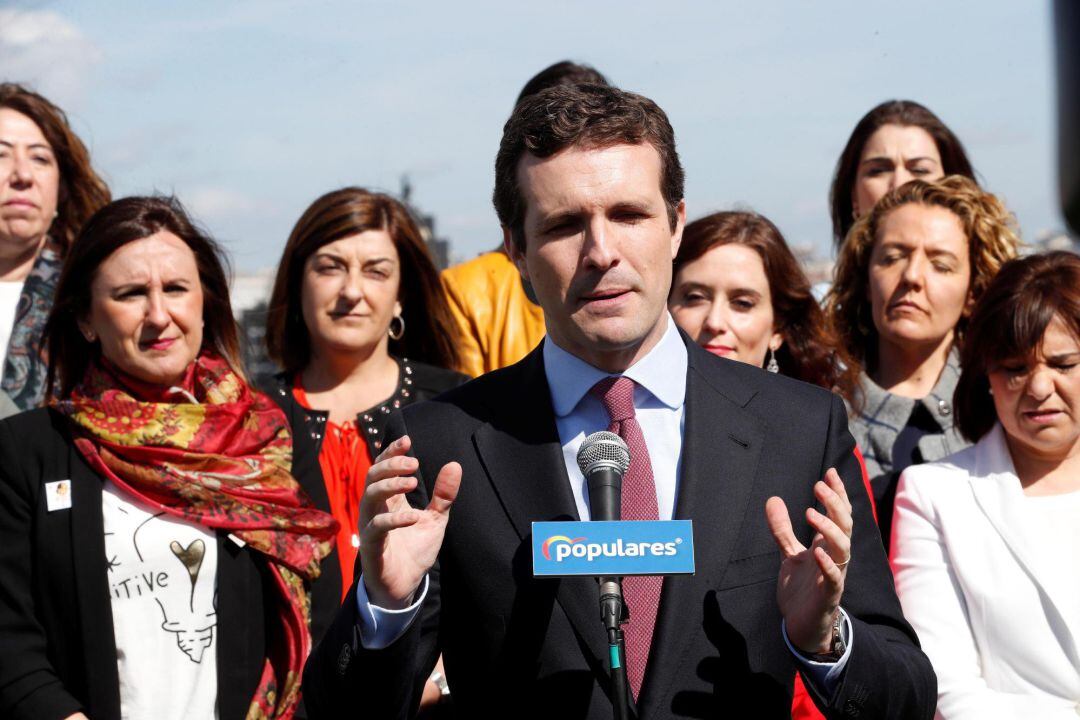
248	110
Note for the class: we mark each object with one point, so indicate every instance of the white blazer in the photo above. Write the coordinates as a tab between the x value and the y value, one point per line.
986	603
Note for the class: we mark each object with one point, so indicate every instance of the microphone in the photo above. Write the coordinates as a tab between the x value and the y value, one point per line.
603	459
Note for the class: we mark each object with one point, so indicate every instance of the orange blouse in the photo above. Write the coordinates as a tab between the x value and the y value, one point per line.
344	462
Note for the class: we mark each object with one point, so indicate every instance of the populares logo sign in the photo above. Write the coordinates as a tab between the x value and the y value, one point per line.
566	547
614	547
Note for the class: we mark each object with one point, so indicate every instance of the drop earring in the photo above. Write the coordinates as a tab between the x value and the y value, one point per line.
772	366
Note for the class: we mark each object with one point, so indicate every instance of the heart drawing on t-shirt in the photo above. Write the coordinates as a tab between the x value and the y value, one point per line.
191	556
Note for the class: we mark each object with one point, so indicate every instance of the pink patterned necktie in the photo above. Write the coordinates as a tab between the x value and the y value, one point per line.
642	593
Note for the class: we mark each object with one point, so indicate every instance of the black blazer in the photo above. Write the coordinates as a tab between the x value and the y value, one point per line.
308	426
536	647
59	654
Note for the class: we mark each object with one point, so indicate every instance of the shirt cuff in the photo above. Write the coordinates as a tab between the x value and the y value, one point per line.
824	675
378	627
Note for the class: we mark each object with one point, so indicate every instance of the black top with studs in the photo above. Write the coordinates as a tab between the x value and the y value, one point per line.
416	382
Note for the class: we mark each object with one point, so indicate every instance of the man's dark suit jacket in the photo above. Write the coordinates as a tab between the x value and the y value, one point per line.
517	646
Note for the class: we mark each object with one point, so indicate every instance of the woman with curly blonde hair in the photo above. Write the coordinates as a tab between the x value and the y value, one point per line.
908	276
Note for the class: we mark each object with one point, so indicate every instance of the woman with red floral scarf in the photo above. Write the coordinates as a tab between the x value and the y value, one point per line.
155	551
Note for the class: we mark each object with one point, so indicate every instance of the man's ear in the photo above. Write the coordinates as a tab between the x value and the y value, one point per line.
516	254
680	225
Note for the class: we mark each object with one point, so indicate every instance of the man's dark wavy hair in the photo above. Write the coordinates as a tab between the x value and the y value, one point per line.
583	116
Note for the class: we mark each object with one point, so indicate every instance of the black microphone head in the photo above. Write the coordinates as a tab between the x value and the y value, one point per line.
603	449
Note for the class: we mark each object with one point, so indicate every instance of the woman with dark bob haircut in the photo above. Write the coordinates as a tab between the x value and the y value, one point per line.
48	189
359	321
897	141
154	547
986	543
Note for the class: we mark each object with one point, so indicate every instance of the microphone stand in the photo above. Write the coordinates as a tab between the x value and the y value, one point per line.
603	458
613	613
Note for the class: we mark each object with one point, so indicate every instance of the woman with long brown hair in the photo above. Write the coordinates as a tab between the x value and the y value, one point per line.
48	189
739	292
359	322
896	142
155	551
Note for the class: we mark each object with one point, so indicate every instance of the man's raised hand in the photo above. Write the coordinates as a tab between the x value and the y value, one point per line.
811	579
399	543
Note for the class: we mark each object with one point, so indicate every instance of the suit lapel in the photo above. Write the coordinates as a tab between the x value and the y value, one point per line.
521	452
721	444
999	495
522	455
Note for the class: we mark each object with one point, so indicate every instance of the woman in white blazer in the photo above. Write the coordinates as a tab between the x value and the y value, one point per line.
986	543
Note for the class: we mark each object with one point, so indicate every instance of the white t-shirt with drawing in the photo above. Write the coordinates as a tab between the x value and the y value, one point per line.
162	586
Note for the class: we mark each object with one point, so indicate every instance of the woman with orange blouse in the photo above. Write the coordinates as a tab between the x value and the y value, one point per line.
360	324
359	321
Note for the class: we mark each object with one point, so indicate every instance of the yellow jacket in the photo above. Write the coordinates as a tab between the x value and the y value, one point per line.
499	324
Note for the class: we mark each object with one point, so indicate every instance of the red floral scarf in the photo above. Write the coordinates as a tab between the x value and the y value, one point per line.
212	452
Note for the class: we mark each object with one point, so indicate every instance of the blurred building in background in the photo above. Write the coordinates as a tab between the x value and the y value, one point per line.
1055	240
438	247
250	293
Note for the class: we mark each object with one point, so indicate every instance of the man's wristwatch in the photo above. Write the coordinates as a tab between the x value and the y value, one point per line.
440	682
839	642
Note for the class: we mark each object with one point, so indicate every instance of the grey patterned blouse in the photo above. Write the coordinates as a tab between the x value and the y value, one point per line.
885	418
22	380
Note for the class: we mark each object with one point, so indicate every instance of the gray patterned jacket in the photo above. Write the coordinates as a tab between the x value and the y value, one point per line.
882	418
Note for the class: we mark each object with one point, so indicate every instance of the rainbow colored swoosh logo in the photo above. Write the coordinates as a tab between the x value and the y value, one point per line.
545	548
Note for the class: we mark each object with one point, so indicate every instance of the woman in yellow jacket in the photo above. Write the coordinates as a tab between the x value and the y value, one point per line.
499	322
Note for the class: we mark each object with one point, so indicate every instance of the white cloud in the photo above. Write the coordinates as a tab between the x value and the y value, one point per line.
215	204
43	49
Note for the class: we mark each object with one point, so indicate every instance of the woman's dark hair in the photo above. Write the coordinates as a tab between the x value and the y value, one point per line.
808	352
82	192
906	113
431	334
1008	324
110	228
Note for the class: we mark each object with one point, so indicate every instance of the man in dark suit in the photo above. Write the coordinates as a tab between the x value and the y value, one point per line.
589	191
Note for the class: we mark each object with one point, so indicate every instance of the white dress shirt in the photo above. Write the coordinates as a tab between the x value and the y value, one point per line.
659	395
